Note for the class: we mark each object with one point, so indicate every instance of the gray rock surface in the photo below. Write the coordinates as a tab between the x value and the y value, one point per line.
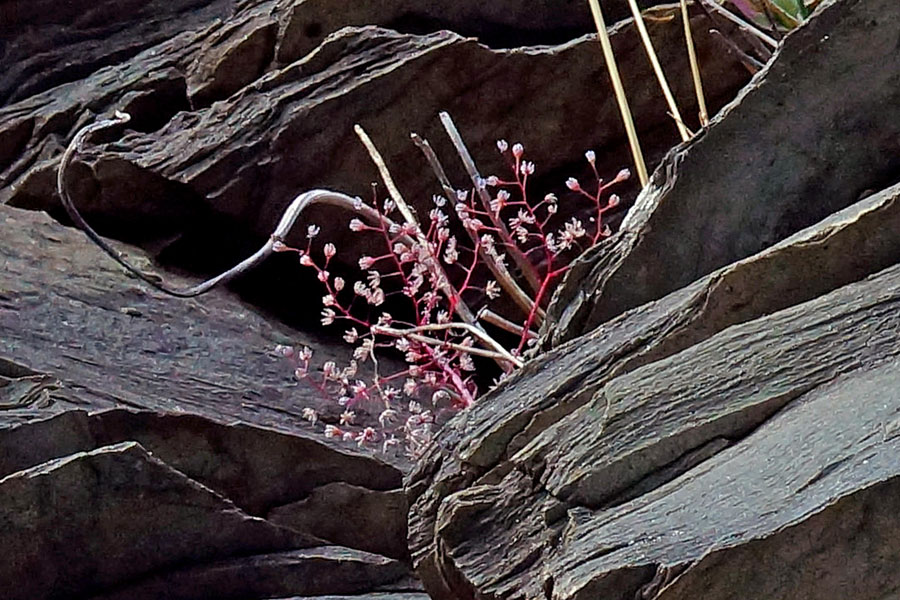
148	437
314	572
350	515
718	412
705	443
779	158
89	520
733	439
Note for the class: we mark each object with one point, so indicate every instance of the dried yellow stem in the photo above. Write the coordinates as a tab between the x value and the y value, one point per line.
622	101
695	66
657	69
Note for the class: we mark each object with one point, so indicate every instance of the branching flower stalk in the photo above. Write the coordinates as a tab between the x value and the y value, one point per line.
441	286
434	272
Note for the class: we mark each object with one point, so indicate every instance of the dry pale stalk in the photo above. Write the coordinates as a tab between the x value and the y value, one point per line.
495	350
638	157
522	262
657	69
695	66
500	273
741	23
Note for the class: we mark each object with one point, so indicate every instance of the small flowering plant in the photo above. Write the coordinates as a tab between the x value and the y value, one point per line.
440	277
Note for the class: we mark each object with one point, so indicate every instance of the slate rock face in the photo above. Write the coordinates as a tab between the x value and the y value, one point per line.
704	435
718	407
90	520
778	159
172	492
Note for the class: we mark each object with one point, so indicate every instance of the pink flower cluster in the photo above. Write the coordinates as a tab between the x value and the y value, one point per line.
441	277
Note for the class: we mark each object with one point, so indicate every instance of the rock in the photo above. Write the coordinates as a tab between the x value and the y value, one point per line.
258	469
199	182
65	520
119	343
39	56
774	161
41	49
351	516
314	572
204	396
730	440
501	24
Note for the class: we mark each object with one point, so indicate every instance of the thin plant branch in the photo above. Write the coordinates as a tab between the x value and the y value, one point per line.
459	305
495	349
741	23
624	109
695	66
528	271
496	320
750	63
293	211
763	51
500	273
657	69
435	164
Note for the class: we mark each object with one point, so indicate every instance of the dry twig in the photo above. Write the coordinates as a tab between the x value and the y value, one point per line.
624	109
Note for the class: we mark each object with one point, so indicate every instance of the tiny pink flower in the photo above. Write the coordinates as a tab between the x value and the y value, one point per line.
518	150
338	284
387	417
327	316
390	442
310	415
357	225
502	146
366	262
331	431
328	368
366	436
573	184
347	417
590	156
285	351
329	250
360	388
351	335
312	231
